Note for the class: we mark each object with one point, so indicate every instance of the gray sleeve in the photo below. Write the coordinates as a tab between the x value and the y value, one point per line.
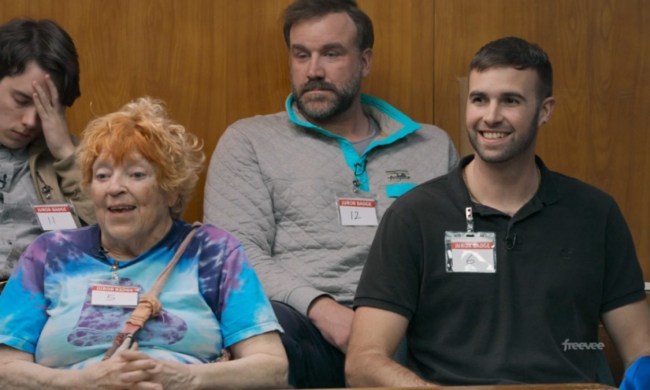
238	200
453	155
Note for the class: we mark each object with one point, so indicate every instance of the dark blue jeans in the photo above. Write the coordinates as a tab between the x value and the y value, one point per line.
313	362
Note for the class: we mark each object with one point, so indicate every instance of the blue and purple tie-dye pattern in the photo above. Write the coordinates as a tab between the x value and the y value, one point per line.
95	321
213	299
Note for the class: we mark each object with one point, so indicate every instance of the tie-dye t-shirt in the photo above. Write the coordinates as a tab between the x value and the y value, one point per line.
212	299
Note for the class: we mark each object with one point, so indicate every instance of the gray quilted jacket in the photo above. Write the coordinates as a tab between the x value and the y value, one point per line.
274	180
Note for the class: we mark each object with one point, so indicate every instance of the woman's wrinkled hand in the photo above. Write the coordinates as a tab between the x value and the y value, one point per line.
171	375
126	369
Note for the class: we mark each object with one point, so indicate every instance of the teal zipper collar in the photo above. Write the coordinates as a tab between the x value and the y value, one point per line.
355	162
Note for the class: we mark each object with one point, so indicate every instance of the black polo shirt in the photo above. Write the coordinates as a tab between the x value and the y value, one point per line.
562	260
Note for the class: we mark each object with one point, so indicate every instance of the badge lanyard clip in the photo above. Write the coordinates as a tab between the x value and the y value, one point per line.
470	220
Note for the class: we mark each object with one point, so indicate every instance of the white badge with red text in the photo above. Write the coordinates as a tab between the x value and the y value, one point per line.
113	295
357	211
470	252
55	216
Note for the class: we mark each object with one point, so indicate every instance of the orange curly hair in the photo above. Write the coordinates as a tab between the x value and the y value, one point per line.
142	126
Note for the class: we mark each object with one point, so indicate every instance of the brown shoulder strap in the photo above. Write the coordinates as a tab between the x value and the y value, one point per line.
148	304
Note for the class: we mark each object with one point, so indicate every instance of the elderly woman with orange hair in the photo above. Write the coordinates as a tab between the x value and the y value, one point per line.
67	317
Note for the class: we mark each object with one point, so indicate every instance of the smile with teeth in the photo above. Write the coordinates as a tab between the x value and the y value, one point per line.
493	134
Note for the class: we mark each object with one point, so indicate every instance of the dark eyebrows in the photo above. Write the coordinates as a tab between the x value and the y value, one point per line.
515	95
297	47
502	96
333	46
327	47
476	94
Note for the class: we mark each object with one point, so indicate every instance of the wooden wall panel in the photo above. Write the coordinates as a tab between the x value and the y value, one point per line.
403	58
256	62
600	52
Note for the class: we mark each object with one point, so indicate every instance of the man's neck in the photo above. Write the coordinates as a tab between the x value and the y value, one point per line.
505	187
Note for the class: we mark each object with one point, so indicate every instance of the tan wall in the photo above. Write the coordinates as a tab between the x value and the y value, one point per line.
214	61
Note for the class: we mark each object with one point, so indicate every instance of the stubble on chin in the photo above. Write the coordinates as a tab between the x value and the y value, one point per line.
329	103
505	152
316	107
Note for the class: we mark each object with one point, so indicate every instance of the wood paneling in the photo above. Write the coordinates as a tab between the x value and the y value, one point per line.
215	61
403	59
257	79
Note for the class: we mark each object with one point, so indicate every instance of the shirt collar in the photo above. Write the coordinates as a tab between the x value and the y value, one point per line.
546	194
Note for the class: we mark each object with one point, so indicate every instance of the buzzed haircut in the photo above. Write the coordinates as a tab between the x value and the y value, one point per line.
516	53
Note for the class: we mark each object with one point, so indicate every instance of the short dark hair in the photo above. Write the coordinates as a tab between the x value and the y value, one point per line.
49	46
301	10
519	54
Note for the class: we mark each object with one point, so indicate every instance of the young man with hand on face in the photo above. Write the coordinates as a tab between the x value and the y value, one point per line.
39	77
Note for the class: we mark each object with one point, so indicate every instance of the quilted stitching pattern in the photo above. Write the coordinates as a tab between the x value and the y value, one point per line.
274	185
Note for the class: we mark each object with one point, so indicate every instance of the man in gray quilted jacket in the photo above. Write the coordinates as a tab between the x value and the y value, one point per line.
304	188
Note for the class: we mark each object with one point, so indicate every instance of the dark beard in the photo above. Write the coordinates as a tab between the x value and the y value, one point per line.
343	99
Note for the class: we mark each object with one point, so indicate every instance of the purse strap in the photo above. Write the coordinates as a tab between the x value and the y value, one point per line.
148	304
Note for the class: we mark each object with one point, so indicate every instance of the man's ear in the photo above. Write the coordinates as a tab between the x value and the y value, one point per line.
366	62
545	110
